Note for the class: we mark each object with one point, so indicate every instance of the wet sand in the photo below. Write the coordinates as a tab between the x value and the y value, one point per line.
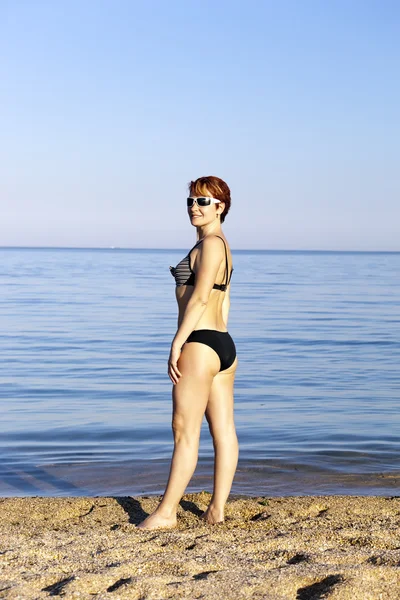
300	548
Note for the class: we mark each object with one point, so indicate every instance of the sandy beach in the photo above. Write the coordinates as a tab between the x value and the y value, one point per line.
303	548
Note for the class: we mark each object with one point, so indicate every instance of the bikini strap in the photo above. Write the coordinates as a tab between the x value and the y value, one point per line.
219	286
227	278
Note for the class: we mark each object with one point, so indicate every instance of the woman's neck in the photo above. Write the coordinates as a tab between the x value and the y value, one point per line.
212	228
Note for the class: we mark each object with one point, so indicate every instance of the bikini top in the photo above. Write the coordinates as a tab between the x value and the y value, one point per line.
184	274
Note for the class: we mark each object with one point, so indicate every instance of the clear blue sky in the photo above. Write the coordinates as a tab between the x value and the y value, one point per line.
109	107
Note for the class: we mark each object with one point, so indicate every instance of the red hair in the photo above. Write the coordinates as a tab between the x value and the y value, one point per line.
214	187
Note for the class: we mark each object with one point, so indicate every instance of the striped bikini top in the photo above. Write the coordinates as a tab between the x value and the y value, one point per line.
184	274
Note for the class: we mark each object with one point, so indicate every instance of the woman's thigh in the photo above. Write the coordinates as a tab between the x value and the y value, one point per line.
219	410
198	365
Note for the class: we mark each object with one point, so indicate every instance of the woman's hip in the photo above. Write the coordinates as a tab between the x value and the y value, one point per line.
220	341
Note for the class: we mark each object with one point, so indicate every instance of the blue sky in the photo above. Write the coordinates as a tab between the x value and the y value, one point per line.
109	108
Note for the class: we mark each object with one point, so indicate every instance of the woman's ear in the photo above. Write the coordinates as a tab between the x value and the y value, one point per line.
220	208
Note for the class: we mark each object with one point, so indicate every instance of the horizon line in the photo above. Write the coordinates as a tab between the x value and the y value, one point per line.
344	250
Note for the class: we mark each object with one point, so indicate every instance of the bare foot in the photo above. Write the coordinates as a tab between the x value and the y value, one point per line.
212	516
156	521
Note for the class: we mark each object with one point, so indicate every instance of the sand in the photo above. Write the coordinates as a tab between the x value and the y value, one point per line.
303	548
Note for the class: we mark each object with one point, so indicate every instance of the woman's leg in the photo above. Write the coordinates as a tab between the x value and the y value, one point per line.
219	413
198	365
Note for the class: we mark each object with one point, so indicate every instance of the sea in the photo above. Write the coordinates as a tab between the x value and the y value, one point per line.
85	399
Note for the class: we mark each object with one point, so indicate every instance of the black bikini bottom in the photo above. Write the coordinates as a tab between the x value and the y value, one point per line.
220	341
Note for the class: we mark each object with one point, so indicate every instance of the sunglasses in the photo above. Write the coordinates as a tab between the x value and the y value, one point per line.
201	200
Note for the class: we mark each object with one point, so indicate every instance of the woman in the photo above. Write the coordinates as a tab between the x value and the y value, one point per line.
202	361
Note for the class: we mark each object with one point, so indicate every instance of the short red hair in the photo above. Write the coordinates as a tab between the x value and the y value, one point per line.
214	187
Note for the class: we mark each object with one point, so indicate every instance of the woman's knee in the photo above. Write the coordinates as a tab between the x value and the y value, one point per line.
223	434
185	431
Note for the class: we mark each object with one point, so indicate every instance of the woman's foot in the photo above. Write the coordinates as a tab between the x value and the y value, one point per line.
213	515
157	521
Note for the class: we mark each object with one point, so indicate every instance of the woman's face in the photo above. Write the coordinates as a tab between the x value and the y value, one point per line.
203	215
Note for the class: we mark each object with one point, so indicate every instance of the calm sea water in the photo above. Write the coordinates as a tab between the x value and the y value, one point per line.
86	401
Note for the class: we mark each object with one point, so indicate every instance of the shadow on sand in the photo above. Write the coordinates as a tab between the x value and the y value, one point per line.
133	509
136	514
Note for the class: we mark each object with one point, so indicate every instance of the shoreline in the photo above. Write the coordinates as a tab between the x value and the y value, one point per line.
304	547
140	479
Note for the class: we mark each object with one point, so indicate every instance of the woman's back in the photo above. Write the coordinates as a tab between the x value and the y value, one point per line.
216	313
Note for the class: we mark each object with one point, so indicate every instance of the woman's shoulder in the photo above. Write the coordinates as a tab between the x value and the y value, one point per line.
213	241
214	248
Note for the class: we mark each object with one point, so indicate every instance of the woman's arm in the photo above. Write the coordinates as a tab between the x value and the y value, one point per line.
209	260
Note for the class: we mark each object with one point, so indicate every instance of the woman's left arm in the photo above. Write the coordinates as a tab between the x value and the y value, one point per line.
209	260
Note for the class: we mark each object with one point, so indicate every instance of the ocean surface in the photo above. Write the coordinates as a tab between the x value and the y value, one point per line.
85	400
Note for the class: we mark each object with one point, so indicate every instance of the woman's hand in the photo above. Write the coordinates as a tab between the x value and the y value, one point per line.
173	371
